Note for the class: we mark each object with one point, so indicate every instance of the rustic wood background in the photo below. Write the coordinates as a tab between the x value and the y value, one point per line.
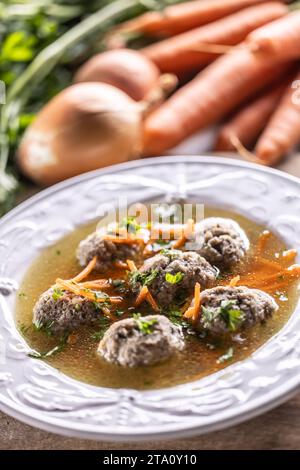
277	429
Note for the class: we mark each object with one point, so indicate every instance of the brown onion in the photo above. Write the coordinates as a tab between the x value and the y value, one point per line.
128	70
85	127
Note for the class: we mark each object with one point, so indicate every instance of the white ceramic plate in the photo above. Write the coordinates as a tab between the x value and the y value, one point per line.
41	396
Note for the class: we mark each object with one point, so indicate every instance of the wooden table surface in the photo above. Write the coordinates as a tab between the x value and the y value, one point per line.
277	429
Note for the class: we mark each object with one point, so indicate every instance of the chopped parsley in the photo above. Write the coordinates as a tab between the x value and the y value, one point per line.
22	295
104	324
57	293
130	224
174	278
145	279
105	301
170	253
58	252
231	315
45	327
145	326
57	349
118	284
118	312
24	328
227	356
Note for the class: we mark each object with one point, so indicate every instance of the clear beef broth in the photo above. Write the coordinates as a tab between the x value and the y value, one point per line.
200	357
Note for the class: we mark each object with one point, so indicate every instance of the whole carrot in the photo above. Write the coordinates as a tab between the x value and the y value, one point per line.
247	124
215	92
176	19
280	38
185	52
283	130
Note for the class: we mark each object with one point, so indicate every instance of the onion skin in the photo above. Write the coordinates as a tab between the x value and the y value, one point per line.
128	70
85	127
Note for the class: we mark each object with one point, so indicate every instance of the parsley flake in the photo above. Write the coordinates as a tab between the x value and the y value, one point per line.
174	278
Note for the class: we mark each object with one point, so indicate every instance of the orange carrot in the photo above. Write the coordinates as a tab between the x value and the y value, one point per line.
179	18
183	53
216	91
247	124
283	130
280	38
234	281
142	296
86	271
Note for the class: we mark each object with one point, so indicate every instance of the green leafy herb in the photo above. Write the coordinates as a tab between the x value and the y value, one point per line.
145	279
45	327
57	349
174	278
118	284
22	295
58	252
119	313
232	317
170	253
145	326
24	328
57	293
227	356
103	324
130	224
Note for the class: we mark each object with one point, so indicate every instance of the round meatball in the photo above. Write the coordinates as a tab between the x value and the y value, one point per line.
171	276
62	312
106	251
222	241
228	309
141	341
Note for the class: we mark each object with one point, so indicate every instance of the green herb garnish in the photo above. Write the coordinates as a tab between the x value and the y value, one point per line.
118	312
57	293
57	349
22	295
170	253
103	324
145	279
232	317
145	326
174	278
130	224
118	284
227	356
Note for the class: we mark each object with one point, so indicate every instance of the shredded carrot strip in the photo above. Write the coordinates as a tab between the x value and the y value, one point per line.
291	272
124	241
233	282
270	263
71	286
190	227
194	311
189	312
197	302
142	296
263	238
98	284
289	256
120	265
86	271
152	301
131	265
145	294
